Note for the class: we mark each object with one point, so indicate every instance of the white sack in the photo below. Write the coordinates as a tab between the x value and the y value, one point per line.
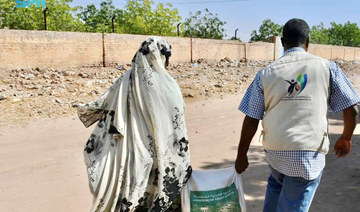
218	190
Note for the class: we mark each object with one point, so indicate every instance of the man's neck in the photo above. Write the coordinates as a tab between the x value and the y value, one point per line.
301	46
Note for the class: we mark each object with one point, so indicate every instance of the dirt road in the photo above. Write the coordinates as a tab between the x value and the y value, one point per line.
42	165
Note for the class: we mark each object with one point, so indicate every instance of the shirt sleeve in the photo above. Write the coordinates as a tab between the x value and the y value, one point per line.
252	103
343	93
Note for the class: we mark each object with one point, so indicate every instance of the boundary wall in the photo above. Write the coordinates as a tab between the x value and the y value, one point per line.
30	49
335	52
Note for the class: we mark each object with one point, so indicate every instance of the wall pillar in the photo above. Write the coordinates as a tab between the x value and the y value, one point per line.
278	48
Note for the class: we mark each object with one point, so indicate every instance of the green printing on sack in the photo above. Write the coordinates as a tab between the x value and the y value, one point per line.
219	200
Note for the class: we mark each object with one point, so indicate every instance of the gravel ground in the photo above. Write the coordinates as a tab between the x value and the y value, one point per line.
30	94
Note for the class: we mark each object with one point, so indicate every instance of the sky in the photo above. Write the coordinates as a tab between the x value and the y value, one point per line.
248	15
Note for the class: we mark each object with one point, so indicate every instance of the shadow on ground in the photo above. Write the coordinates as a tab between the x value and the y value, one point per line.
339	190
340	183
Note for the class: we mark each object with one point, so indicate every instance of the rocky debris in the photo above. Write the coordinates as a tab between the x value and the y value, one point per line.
84	75
243	60
89	83
75	104
218	86
69	73
227	59
57	100
339	61
15	100
191	95
27	76
349	67
48	92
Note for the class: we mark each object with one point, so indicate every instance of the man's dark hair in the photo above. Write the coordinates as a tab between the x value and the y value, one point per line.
295	32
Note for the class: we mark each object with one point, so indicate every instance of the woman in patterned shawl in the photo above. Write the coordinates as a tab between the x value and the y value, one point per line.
138	155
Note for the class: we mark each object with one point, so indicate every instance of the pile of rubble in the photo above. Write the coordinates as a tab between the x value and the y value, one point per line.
28	94
205	78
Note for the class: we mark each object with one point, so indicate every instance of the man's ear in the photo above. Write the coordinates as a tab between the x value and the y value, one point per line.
307	44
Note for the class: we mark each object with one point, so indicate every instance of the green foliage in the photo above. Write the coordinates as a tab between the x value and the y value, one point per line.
59	16
337	34
344	35
267	30
233	38
20	18
319	34
100	20
138	17
143	17
206	25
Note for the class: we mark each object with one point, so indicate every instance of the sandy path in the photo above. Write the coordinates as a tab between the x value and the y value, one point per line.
42	167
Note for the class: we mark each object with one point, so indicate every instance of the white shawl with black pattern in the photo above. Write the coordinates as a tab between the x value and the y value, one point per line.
138	155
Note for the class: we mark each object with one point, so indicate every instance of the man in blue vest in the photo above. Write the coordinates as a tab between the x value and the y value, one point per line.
291	96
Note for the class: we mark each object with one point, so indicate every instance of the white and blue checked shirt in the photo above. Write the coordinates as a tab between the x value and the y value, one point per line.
300	163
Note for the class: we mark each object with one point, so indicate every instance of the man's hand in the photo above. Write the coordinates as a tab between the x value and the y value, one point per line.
342	147
343	144
247	133
241	164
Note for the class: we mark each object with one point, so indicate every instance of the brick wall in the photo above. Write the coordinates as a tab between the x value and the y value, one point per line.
30	49
335	52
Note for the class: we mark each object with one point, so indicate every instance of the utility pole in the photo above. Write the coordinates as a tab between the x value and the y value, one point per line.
206	30
45	26
236	33
178	29
112	24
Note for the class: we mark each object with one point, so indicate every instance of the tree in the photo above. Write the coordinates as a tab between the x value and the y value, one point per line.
206	25
138	17
59	16
344	35
267	30
319	34
143	17
20	18
100	20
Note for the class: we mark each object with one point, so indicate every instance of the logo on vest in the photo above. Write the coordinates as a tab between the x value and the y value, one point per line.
296	87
